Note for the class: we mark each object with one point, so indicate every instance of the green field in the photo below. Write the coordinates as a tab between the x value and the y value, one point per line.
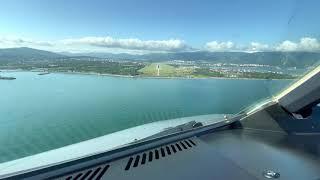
166	70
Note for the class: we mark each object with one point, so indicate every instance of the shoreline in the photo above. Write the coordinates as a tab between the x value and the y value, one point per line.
160	77
139	76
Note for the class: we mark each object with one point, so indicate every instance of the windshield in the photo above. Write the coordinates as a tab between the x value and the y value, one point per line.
72	71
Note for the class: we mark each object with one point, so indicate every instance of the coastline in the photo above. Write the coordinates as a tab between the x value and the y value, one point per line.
160	77
139	76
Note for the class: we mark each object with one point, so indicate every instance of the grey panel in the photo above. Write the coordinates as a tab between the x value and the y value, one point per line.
303	95
257	151
227	154
198	161
262	119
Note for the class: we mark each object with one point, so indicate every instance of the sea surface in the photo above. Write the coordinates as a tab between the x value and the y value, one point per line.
43	112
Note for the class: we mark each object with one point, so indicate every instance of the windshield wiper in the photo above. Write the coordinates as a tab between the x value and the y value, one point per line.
193	125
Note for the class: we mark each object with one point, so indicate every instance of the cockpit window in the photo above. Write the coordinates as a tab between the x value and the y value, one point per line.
72	71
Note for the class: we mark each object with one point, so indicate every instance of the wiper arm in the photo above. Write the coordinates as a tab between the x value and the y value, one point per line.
182	127
193	125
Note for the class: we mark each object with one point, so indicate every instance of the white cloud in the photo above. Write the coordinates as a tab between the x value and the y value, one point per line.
231	46
18	42
287	46
220	46
256	46
305	44
130	44
309	44
137	46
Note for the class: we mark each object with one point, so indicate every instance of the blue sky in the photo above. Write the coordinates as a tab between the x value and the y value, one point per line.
164	25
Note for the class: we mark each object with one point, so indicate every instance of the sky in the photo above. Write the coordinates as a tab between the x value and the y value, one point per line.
143	26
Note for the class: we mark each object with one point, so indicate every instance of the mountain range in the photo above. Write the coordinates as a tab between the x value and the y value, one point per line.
274	58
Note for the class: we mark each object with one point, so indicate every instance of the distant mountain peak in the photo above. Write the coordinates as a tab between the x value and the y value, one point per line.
26	53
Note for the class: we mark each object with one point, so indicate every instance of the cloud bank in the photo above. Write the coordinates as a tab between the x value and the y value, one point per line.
304	44
135	45
230	46
131	44
220	46
16	42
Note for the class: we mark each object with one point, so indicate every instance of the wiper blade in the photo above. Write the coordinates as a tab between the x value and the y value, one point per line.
194	125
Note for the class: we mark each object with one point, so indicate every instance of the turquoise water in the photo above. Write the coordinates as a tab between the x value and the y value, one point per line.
39	113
